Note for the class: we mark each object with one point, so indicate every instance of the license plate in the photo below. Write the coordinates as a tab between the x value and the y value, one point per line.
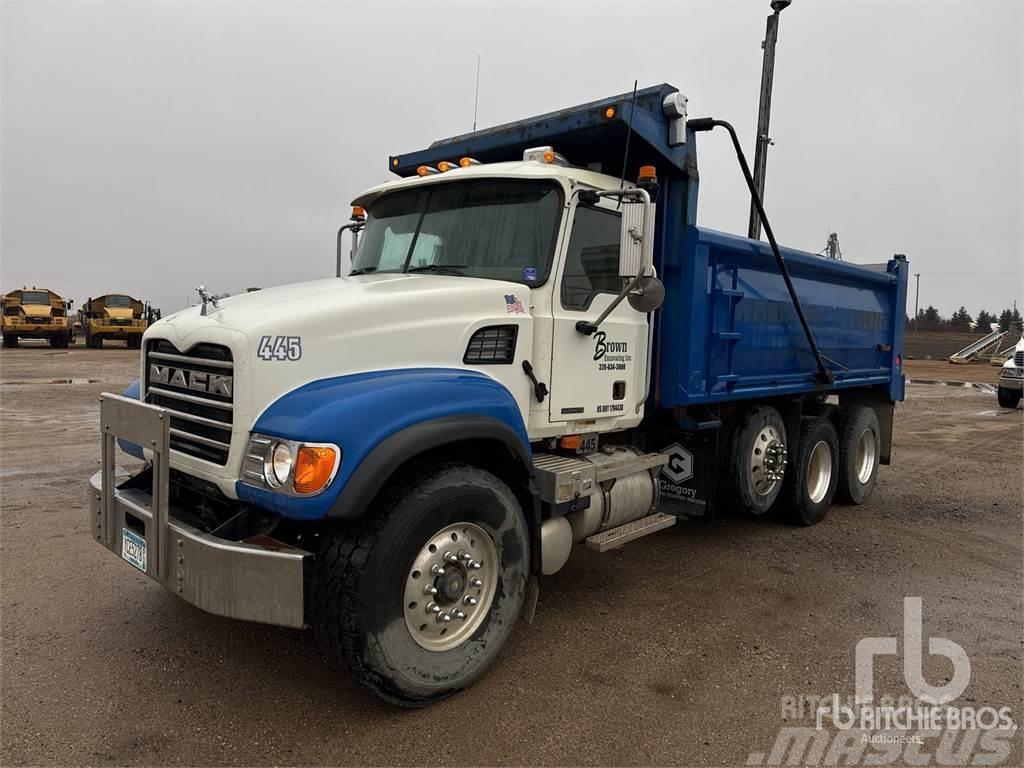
133	548
588	444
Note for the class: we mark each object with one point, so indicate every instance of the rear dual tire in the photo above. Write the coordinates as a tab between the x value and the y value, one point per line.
814	472
859	453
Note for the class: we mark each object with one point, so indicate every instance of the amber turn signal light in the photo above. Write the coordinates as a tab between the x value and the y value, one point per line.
314	468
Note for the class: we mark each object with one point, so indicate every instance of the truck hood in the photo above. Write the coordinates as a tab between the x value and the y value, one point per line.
283	338
358	303
36	310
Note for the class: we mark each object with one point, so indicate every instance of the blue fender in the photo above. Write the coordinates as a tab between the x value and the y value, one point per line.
361	411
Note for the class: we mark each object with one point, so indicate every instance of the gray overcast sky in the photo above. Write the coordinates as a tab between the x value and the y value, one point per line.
152	146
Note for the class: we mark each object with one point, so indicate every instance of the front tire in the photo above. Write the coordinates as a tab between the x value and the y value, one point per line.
373	609
1008	398
813	479
10	340
859	452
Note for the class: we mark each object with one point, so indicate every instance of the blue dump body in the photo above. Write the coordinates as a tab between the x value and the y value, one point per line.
728	329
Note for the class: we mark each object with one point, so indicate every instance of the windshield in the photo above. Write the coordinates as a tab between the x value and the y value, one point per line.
118	302
501	229
35	297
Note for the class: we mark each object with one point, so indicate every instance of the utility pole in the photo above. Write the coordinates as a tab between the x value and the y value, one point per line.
917	293
764	109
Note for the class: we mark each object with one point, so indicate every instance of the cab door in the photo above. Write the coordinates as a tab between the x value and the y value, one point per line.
601	376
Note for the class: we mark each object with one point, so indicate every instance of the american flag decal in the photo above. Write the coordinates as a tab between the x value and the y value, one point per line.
513	306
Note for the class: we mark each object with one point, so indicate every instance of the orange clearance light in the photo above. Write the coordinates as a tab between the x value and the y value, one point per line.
394	162
647	173
358	213
445	165
314	466
609	112
426	170
465	162
549	156
572	442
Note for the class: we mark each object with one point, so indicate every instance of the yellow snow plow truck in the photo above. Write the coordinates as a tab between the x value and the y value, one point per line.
35	313
113	317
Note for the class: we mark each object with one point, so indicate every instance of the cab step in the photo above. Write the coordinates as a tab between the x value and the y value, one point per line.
614	538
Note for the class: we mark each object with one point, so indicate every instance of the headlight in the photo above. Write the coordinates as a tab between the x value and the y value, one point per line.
277	465
290	467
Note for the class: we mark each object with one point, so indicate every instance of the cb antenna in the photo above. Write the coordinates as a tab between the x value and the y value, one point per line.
476	94
629	133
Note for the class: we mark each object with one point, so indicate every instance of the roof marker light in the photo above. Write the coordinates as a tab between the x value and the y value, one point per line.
426	170
609	112
446	165
544	155
394	162
358	213
648	174
465	162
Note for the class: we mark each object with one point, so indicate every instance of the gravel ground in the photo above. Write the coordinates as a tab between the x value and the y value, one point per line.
676	650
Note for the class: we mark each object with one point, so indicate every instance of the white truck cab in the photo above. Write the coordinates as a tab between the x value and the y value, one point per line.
1011	378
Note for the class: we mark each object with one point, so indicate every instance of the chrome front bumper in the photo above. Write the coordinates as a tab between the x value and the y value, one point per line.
1013	384
256	581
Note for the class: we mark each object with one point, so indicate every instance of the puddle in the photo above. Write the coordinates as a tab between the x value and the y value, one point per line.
52	381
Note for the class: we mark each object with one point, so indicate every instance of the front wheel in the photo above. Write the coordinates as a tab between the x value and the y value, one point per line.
1008	398
812	483
10	340
418	599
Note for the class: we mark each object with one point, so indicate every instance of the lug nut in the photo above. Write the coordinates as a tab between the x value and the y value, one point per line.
459	615
444	617
469	600
436	570
430	589
433	608
475	582
473	565
463	555
450	557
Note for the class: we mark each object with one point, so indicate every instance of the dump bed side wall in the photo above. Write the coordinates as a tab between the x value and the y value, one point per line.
730	330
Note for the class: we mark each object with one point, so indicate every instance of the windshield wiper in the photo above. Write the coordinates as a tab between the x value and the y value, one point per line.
362	271
451	269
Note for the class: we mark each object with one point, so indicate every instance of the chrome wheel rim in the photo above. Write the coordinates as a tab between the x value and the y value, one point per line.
819	471
450	586
767	460
865	457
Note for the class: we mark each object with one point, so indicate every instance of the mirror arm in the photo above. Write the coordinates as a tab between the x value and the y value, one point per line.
586	327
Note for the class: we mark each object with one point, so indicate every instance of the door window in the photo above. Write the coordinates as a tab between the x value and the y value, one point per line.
592	262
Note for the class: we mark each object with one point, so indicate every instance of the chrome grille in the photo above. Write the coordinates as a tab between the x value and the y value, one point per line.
197	389
1018	359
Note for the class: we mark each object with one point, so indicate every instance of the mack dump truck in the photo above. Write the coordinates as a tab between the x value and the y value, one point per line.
529	353
35	313
113	317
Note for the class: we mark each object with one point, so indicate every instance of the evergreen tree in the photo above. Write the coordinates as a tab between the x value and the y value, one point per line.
1005	319
960	321
929	319
984	322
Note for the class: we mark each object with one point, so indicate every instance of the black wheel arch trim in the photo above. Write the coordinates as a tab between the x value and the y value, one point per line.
373	472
